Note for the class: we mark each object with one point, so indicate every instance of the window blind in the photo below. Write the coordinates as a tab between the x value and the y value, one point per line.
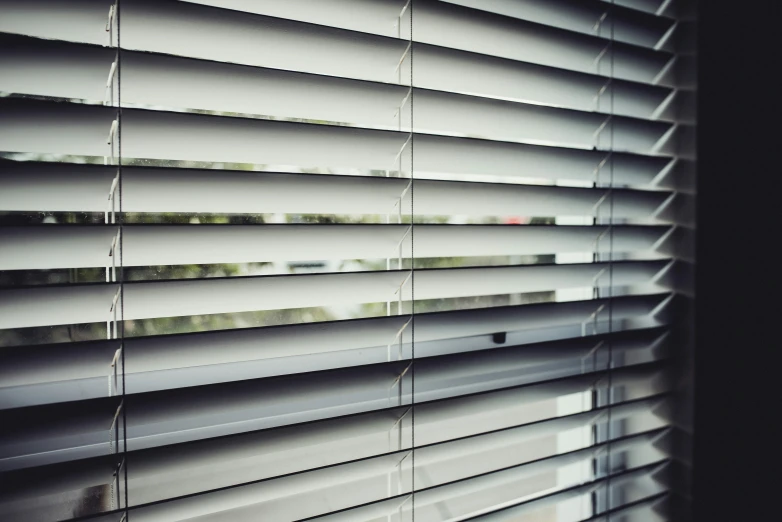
343	259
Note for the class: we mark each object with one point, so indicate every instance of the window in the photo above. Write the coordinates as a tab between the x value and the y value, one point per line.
342	259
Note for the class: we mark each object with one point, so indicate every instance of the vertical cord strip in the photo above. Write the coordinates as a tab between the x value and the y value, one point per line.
610	267
122	253
412	261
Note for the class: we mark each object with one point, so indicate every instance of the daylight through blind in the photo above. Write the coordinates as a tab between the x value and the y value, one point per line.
352	260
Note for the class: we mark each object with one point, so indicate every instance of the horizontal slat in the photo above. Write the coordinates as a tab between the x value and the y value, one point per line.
57	433
169	472
462	499
438	240
177	470
583	16
55	373
84	130
492	409
34	248
83	74
23	308
447	25
92	303
485	454
443	69
477	495
74	187
290	498
40	375
574	15
47	246
490	320
579	16
438	113
192	30
192	468
325	490
448	283
91	359
552	501
449	450
166	82
51	434
32	186
632	477
380	511
61	128
378	17
486	33
163	26
80	21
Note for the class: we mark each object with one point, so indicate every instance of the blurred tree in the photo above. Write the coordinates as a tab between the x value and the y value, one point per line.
172	325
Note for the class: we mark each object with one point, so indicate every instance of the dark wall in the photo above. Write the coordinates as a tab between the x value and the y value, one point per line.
738	382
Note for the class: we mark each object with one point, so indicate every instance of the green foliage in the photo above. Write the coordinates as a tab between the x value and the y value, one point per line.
174	325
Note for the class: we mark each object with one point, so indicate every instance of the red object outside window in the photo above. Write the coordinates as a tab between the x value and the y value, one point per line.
516	220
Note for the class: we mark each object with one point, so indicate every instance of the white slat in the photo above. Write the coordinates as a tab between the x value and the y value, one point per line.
84	188
47	247
166	82
76	304
82	130
582	16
